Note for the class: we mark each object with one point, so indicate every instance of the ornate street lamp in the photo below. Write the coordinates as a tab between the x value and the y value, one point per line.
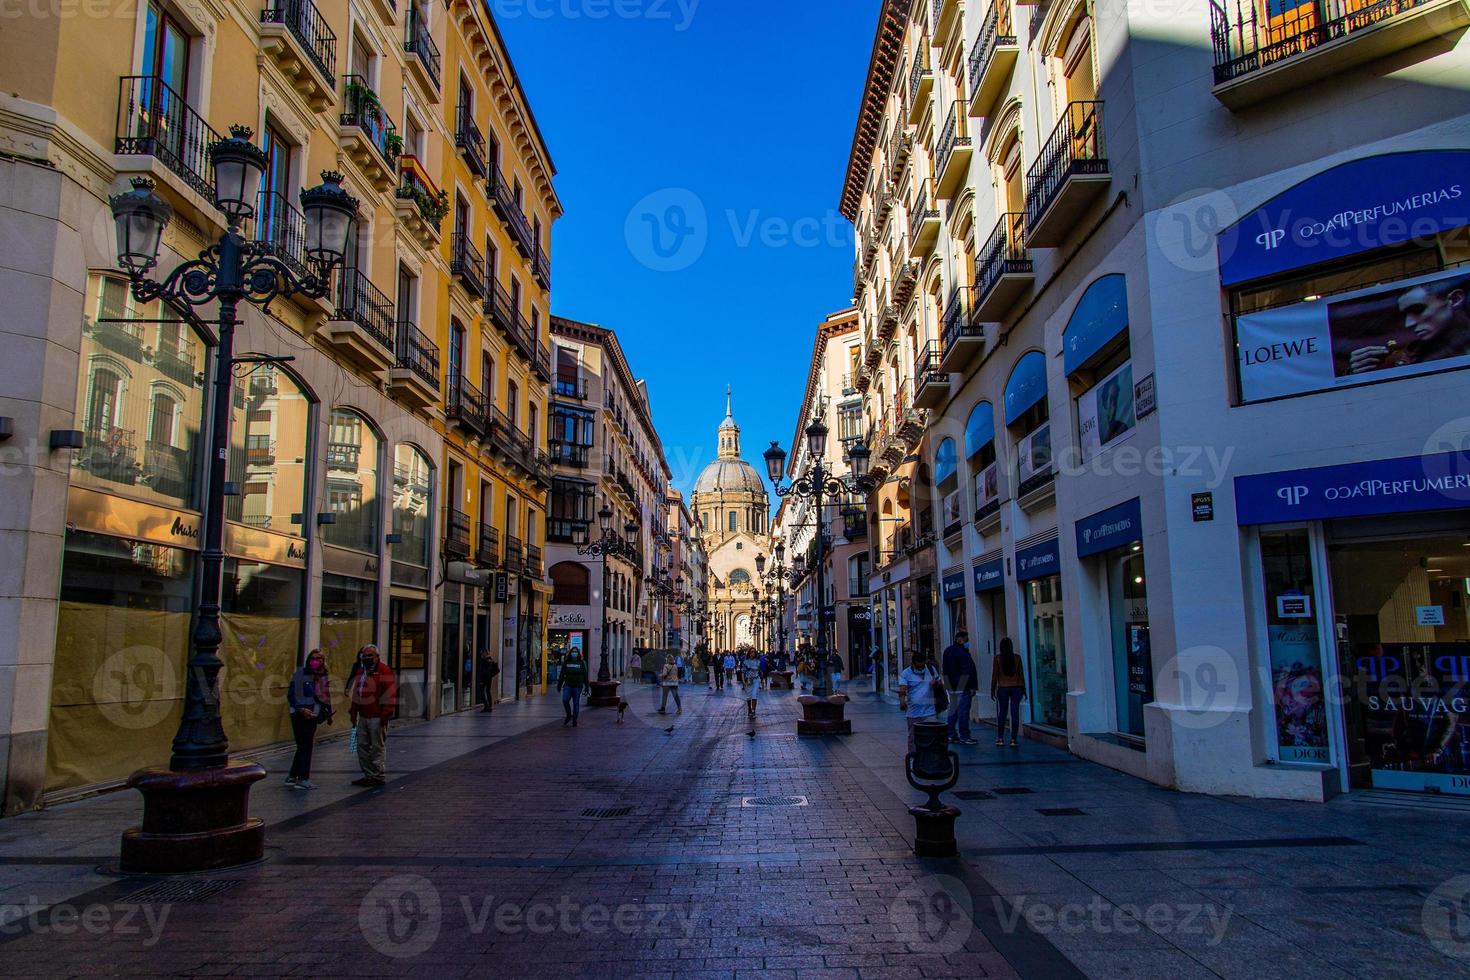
605	689
822	716
195	812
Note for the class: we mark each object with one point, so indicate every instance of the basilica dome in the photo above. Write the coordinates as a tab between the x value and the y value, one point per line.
729	476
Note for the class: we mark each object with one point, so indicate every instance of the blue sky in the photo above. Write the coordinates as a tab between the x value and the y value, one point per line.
701	146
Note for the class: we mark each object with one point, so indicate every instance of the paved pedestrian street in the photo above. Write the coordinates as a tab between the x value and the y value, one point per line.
509	845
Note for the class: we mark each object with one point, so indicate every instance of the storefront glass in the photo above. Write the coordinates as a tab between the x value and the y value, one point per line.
1047	647
349	623
270	418
140	399
1133	674
561	643
408	652
352	482
413	481
122	640
1403	617
260	613
1294	646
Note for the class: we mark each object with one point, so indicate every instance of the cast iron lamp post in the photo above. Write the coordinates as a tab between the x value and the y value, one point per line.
778	574
822	716
605	689
196	812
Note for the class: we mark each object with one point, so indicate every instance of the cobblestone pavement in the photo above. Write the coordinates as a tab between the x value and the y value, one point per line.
508	845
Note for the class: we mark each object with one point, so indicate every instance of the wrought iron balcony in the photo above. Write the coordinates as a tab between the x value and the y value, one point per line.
542	362
569	454
467	265
564	531
154	120
1003	271
282	229
1069	172
178	358
515	555
931	382
533	561
470	141
502	198
344	456
456	534
487	549
993	58
574	389
542	268
361	109
307	25
954	151
921	82
923	220
123	336
464	404
962	335
417	353
362	303
419	43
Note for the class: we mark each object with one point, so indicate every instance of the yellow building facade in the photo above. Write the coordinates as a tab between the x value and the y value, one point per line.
387	482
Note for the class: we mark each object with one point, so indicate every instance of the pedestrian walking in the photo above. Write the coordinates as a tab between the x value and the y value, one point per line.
1008	690
635	666
489	670
373	702
834	669
919	691
963	680
309	698
717	670
752	668
571	681
729	665
765	672
668	681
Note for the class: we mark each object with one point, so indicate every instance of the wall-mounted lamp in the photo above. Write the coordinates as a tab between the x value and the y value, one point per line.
66	439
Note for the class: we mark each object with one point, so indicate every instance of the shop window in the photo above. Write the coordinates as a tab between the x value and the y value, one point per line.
980	459
140	399
349	623
269	421
947	484
260	612
1294	646
1132	645
413	482
1046	642
1096	359
352	482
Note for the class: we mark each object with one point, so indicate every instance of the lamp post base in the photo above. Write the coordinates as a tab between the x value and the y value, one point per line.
823	716
604	695
194	821
934	830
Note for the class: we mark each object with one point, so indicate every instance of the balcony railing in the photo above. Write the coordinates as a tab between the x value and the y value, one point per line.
997	31
456	533
363	303
1244	41
921	73
414	184
361	108
468	264
344	456
154	120
921	211
503	198
953	137
1074	147
281	228
563	531
487	551
1004	254
177	358
417	353
464	403
575	389
514	553
418	42
470	141
542	268
307	25
542	362
123	336
956	320
533	561
569	454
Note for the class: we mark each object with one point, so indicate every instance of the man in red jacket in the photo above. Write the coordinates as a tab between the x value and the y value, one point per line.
374	699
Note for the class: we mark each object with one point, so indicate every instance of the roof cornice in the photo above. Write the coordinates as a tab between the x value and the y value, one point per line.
887	51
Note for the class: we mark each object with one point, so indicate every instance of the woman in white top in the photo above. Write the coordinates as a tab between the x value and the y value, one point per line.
751	666
916	692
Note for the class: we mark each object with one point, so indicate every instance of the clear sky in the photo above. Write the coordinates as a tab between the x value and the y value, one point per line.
700	148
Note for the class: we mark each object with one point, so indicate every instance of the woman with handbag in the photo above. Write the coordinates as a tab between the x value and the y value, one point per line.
310	699
921	694
1007	689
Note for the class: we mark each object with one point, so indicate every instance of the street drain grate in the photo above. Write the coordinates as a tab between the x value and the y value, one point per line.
1062	811
973	794
1011	790
773	801
606	812
182	892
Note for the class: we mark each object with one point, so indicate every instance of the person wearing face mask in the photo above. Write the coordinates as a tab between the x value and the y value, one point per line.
374	699
309	697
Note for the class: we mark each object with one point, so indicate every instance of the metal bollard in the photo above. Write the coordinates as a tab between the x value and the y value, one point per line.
933	768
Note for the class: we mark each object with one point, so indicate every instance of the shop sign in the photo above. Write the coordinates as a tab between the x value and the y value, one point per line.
1354	207
953	585
353	564
1109	529
1414	696
1038	561
502	587
990	575
1144	398
1429	615
258	544
1412	326
1380	486
120	517
1105	414
1293	605
568	617
1202	506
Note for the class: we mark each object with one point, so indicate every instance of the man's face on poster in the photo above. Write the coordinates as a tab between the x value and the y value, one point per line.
1430	314
1109	399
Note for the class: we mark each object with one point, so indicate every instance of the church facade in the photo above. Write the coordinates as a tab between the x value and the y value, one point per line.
733	508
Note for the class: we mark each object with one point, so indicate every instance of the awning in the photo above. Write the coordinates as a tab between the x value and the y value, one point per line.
1108	529
1027	385
1100	316
979	428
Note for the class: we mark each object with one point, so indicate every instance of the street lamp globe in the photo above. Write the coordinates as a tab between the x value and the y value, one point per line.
857	460
630	528
775	461
140	216
816	438
604	518
329	211
238	167
780	552
760	564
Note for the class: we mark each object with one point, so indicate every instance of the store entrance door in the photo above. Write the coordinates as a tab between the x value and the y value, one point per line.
1401	605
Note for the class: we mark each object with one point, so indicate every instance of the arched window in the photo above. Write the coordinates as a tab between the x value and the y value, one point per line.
739	577
270	419
571	584
733	520
413	484
352	482
980	458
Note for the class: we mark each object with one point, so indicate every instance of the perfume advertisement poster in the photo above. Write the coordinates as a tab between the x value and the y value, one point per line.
1416	709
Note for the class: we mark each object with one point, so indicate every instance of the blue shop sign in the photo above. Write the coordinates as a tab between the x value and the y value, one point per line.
953	585
1353	207
1038	561
1109	529
1380	486
990	575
